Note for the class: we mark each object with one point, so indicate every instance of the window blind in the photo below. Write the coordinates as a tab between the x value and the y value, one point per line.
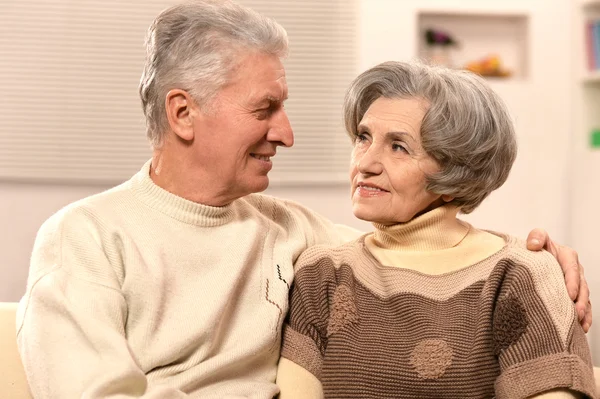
69	70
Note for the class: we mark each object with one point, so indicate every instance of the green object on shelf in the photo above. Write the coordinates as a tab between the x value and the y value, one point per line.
595	138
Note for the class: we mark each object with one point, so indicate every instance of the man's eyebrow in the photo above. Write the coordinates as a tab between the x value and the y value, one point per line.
271	99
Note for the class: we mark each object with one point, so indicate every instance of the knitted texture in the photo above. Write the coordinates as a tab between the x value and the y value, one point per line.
431	358
137	292
503	327
343	310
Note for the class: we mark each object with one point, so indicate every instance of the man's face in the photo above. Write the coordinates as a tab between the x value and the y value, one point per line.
237	137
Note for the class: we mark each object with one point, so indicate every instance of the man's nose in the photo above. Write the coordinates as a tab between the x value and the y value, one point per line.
281	130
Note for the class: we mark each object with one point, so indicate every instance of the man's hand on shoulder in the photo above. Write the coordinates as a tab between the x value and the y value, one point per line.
568	259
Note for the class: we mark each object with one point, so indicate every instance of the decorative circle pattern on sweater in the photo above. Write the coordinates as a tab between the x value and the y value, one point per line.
510	322
431	358
343	310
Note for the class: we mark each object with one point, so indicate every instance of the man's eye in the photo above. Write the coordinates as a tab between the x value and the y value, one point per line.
263	113
267	111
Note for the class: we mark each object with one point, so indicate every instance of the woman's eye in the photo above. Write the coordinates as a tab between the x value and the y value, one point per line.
398	147
361	137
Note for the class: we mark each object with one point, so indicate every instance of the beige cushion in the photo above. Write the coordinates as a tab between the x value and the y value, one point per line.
597	376
13	383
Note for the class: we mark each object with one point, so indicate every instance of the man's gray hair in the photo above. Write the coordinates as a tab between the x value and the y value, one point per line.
195	46
467	128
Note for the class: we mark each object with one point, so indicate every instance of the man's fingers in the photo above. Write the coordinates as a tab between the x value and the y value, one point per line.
583	297
573	271
582	302
587	320
536	240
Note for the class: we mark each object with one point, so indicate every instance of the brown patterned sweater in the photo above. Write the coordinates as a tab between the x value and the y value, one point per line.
502	327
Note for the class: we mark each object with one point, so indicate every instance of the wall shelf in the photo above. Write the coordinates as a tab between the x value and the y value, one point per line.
480	35
590	3
591	77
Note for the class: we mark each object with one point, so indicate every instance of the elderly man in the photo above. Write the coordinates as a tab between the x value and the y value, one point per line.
175	283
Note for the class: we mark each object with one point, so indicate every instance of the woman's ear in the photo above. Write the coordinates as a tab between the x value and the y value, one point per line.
180	109
447	198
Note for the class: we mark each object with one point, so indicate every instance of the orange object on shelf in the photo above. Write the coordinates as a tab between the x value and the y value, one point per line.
490	66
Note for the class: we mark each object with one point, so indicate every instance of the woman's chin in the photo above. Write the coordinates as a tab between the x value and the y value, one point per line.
370	216
373	216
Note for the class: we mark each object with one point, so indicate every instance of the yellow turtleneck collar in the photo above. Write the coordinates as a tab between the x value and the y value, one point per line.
431	231
435	242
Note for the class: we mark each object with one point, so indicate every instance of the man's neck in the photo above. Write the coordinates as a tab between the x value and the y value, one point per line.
179	176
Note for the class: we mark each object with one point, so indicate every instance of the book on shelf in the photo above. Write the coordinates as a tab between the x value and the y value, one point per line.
592	44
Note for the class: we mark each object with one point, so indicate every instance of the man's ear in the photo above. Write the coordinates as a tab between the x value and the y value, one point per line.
447	198
181	108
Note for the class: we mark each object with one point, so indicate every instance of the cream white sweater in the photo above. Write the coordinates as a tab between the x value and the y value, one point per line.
136	292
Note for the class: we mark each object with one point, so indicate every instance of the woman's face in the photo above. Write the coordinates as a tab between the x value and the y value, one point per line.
389	167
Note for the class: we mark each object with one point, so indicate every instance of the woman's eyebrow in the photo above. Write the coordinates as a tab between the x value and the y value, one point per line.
391	135
399	135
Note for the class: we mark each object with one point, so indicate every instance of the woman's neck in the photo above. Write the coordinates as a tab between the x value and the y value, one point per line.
434	230
433	243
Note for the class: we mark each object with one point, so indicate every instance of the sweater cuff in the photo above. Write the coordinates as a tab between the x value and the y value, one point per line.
561	370
301	350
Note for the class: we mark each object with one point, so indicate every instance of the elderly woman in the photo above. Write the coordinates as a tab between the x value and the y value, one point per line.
427	305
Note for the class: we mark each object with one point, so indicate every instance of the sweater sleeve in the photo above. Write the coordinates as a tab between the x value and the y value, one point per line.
71	320
318	229
536	335
295	382
305	330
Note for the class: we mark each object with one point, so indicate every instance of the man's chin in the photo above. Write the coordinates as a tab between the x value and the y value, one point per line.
259	184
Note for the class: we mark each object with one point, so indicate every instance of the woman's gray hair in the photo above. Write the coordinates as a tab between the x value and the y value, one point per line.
467	128
195	46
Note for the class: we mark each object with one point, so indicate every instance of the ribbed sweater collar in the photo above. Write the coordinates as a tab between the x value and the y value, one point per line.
177	207
434	230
